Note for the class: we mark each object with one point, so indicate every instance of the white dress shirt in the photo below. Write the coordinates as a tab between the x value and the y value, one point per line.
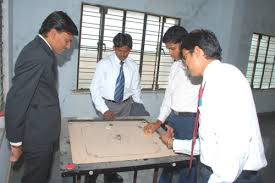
104	81
230	138
181	95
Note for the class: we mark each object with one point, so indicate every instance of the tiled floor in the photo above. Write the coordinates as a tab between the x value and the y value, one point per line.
267	124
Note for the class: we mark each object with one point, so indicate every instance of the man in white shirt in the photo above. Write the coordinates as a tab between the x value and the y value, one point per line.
230	139
115	88
103	85
180	104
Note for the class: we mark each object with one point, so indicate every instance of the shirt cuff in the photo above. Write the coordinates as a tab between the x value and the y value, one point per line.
137	100
103	109
17	144
164	114
162	117
184	146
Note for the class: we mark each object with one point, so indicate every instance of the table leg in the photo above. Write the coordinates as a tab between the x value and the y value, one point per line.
155	177
135	176
74	179
78	178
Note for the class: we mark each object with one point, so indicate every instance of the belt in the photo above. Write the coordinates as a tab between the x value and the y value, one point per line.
245	173
185	114
113	101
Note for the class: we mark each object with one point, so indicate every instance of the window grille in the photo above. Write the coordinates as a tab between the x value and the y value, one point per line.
260	70
99	24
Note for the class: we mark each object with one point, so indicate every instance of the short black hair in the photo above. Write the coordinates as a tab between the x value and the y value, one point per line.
206	40
60	21
174	34
123	39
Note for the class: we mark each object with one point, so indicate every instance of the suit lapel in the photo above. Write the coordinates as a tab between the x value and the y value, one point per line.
45	46
51	54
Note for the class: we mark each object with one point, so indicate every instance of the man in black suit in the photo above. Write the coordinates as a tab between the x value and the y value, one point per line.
32	106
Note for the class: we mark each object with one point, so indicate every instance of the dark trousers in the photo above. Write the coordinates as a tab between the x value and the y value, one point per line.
183	129
204	173
38	161
179	175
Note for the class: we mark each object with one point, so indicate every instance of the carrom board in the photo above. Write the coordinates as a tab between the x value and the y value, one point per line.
105	141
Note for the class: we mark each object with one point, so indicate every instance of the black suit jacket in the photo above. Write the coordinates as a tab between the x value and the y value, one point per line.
32	112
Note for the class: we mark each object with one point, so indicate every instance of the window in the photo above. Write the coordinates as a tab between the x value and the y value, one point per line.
260	70
100	24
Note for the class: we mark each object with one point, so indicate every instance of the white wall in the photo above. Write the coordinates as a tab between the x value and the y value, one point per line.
252	16
232	21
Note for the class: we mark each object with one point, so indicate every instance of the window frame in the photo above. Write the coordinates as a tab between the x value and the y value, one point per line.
159	49
255	62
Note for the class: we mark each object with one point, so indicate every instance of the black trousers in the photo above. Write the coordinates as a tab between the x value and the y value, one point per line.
38	161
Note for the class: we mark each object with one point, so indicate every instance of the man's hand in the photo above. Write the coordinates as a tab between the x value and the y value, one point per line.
16	153
170	131
109	116
152	127
167	137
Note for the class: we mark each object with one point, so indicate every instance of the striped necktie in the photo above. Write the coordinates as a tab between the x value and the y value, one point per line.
120	82
196	126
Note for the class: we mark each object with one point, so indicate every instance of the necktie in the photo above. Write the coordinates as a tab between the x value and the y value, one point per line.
120	82
195	131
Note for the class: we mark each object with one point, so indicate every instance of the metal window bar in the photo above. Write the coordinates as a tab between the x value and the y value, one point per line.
251	59
79	45
89	45
255	61
124	21
270	81
271	52
142	45
261	62
159	51
103	12
264	66
147	58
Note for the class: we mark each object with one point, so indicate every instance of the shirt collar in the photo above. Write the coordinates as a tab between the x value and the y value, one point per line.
45	40
117	61
181	64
